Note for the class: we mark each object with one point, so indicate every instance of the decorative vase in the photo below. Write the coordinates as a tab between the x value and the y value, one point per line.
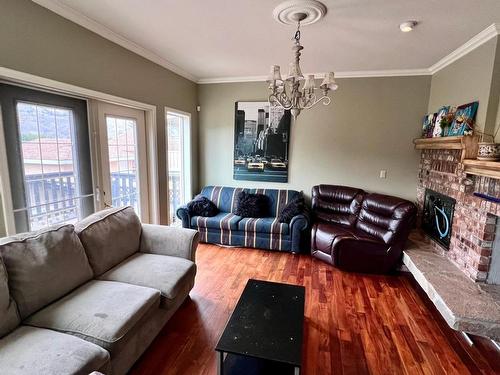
488	151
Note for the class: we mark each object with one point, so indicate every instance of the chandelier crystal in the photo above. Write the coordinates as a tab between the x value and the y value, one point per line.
296	93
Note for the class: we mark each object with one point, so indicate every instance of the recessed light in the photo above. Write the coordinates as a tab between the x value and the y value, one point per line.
408	26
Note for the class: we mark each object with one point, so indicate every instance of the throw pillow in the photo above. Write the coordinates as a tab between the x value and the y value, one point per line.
293	208
202	206
252	205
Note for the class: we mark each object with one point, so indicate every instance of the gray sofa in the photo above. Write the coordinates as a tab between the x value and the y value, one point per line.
90	297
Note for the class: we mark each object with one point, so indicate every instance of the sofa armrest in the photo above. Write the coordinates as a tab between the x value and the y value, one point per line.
163	240
300	222
183	214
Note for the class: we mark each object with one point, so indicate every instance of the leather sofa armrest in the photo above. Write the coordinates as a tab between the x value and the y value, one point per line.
183	214
163	240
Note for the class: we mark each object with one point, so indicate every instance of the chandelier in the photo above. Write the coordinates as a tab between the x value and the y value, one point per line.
296	93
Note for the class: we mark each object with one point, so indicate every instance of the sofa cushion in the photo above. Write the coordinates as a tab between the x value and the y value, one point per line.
263	225
226	197
336	204
34	351
168	274
9	318
293	208
223	220
109	236
202	206
324	236
101	312
252	205
44	266
386	217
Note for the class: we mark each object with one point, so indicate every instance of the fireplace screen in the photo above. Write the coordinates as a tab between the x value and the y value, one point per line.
438	216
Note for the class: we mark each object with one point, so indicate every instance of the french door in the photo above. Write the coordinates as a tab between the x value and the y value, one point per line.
179	161
123	158
48	158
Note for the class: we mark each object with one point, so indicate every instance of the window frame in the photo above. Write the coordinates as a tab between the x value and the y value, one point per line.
187	153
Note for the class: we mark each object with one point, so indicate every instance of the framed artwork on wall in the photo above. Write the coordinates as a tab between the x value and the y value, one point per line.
463	123
261	139
428	125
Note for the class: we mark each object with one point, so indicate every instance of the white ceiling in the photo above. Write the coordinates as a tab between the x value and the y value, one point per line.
225	39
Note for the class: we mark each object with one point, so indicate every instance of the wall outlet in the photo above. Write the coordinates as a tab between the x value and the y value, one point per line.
383	173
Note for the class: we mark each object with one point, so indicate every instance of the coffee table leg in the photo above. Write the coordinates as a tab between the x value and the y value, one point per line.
220	361
296	371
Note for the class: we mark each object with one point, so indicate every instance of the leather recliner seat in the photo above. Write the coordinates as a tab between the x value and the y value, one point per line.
357	231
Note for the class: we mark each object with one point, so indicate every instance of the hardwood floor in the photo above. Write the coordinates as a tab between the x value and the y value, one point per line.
354	324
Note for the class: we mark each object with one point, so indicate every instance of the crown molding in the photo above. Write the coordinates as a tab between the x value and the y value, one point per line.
94	26
347	74
490	32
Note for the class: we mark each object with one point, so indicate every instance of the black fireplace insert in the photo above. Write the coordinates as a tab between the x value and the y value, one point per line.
438	216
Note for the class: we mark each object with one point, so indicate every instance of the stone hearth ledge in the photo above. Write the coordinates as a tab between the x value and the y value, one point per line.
465	305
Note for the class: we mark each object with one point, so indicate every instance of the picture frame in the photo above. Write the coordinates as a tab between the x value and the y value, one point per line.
463	123
439	130
428	125
261	140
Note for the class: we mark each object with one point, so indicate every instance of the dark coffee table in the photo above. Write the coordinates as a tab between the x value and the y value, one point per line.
264	333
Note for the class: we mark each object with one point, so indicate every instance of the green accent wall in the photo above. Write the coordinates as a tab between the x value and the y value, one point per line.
368	127
37	41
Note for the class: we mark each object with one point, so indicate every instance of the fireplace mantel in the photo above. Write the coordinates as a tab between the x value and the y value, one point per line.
482	168
468	144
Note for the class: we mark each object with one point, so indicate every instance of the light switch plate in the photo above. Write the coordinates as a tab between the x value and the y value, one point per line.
383	173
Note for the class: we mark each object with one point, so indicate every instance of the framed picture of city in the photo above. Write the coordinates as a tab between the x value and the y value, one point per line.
261	137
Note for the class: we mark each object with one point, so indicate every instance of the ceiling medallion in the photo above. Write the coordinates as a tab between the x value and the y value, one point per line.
290	93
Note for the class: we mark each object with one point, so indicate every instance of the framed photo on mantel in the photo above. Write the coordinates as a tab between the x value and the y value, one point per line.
261	139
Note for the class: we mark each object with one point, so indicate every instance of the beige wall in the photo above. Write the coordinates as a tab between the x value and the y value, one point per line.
2	222
465	80
368	127
37	41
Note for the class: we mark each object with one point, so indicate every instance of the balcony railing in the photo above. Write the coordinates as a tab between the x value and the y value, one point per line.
54	197
174	194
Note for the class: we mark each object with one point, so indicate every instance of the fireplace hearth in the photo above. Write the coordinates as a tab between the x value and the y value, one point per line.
437	218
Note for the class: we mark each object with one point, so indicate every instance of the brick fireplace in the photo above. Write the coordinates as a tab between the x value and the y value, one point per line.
474	220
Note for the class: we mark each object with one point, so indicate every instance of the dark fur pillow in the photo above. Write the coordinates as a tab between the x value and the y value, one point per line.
202	206
293	208
252	205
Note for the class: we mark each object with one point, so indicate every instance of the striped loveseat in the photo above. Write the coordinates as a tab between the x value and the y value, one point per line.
227	228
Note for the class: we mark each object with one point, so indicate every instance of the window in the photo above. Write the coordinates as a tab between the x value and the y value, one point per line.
179	161
48	157
50	178
123	160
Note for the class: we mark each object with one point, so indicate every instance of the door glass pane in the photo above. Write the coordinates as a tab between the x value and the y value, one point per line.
51	182
123	160
178	149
